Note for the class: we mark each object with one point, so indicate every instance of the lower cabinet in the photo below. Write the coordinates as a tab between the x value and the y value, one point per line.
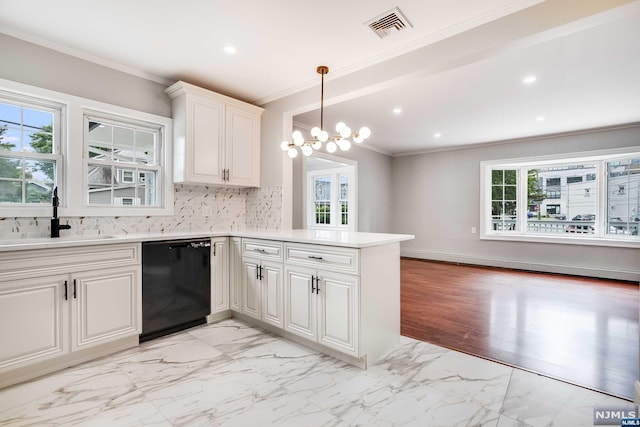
235	274
62	304
104	305
322	306
35	317
262	290
219	274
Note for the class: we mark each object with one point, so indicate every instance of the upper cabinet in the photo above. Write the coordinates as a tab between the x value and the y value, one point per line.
216	138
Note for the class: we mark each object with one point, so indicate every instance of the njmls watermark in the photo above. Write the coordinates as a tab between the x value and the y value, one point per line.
616	416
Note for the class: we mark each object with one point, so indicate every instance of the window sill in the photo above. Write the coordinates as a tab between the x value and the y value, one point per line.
621	242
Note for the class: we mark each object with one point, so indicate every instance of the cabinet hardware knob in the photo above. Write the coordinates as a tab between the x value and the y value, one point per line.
317	285
65	291
313	281
74	289
315	257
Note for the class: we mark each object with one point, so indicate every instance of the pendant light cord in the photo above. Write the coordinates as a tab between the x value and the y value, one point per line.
322	103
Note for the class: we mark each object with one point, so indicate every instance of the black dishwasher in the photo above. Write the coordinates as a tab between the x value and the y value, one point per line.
176	286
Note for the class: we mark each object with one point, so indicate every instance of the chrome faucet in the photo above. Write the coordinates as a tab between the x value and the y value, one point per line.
55	221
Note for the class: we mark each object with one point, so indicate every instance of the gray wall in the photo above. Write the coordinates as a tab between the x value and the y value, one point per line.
35	65
437	197
374	190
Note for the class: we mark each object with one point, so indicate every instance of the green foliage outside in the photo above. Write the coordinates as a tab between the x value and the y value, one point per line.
11	168
323	214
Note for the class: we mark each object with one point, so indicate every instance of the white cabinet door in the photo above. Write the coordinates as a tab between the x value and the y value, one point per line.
242	149
35	319
204	149
235	274
251	288
338	316
219	274
270	276
300	302
104	305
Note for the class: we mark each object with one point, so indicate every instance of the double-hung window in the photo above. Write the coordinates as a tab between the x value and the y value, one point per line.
593	198
30	151
330	196
123	162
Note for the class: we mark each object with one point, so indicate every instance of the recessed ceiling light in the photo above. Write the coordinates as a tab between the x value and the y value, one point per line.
539	119
529	79
230	50
397	110
437	135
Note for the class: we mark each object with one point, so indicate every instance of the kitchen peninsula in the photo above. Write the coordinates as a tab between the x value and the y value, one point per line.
76	298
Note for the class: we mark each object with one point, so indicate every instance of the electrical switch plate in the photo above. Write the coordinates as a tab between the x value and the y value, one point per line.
473	230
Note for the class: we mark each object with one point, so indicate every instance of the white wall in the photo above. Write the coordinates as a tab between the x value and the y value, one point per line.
35	65
436	197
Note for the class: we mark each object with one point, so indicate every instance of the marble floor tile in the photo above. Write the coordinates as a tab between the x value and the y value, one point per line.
169	362
470	377
423	405
231	336
232	374
540	401
78	401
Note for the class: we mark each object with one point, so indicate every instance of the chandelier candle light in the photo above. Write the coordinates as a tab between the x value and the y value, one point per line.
319	135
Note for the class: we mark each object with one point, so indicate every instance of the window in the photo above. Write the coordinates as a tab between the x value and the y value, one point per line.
322	200
623	196
330	194
123	162
594	198
573	179
503	199
30	154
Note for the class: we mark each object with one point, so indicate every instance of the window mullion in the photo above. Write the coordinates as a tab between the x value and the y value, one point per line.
522	202
601	196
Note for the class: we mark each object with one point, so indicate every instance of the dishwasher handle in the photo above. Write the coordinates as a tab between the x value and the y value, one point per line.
191	245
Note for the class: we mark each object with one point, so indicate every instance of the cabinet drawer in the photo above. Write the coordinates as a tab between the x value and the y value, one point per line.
262	249
324	257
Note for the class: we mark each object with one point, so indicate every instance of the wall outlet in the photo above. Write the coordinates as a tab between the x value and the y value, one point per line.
473	230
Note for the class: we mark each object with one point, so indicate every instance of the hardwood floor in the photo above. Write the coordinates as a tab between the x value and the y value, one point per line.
581	330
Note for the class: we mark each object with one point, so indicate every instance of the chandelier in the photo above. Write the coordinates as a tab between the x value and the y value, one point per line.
319	135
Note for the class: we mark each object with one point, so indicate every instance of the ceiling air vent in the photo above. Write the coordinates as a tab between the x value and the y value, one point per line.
389	22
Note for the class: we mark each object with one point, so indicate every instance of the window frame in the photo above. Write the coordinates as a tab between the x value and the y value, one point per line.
121	167
59	111
336	167
598	158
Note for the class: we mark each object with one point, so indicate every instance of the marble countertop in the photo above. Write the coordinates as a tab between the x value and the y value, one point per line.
320	237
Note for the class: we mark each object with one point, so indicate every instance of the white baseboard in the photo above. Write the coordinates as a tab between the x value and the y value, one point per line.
633	276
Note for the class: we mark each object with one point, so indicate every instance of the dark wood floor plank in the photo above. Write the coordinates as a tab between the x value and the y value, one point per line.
581	330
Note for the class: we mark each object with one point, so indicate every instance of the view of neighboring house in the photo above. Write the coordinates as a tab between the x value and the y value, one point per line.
570	192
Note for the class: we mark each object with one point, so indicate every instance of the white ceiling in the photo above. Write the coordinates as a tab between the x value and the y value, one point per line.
586	78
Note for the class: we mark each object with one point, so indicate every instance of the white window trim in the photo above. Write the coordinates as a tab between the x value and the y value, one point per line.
33	97
598	157
133	122
350	169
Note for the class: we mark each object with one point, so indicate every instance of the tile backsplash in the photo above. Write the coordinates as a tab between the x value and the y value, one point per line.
197	208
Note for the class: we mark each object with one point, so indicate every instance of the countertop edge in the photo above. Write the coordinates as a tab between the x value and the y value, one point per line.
341	239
